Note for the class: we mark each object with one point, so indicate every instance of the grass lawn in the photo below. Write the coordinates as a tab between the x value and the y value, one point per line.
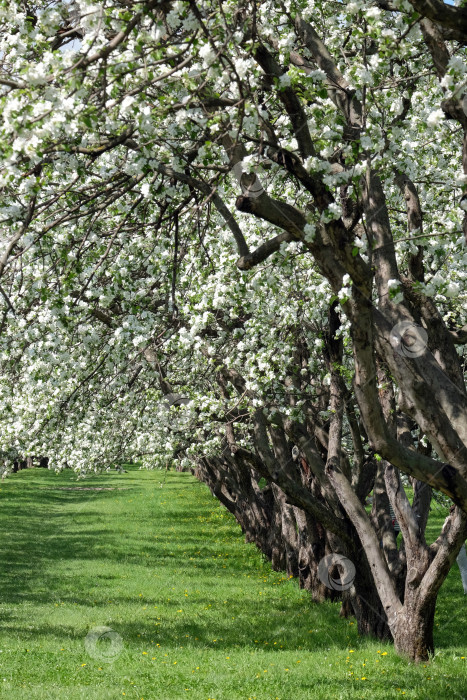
193	611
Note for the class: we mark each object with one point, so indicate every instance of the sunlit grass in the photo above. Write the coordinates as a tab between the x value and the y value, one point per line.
195	612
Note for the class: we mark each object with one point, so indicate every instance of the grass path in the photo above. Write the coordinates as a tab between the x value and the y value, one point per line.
194	612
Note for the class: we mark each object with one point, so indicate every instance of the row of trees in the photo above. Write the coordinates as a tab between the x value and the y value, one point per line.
215	203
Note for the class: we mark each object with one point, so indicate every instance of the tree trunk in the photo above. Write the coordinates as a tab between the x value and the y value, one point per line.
288	532
311	549
462	563
366	603
413	630
256	510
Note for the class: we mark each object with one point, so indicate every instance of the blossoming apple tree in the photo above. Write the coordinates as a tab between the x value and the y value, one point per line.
256	210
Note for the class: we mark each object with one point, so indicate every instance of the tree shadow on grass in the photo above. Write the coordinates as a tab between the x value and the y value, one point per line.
40	532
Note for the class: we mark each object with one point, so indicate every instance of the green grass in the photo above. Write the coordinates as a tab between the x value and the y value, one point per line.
200	615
